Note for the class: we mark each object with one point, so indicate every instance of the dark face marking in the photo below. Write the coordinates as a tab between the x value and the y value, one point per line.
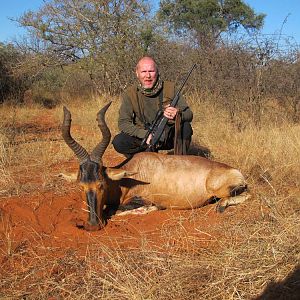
93	191
92	206
89	172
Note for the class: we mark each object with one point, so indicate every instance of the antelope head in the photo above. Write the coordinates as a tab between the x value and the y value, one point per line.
91	175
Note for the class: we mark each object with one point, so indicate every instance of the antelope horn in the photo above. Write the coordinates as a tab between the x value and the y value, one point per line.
99	150
79	151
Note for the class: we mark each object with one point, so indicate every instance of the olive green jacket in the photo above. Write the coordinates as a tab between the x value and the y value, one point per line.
137	110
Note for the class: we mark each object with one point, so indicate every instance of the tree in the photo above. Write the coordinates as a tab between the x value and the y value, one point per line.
206	20
12	85
105	36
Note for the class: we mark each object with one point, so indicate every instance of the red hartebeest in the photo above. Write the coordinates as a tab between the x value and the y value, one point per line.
167	181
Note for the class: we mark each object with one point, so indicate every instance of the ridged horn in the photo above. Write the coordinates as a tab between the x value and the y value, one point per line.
99	150
79	151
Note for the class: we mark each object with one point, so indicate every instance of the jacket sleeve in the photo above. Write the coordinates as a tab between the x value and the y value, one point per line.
126	119
187	114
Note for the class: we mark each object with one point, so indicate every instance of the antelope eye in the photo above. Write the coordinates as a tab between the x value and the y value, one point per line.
82	185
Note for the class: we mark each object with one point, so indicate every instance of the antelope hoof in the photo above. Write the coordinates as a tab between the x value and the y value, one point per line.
222	204
221	208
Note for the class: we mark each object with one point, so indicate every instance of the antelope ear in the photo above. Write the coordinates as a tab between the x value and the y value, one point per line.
117	174
73	177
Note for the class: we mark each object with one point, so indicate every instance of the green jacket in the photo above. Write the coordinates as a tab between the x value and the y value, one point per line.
137	110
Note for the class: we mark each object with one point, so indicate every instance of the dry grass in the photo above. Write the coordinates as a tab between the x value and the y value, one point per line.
257	254
239	269
5	158
31	143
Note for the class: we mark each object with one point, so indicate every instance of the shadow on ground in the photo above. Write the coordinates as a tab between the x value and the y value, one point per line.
287	289
196	149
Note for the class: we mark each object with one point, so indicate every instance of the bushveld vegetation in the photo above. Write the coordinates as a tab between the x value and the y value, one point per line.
245	99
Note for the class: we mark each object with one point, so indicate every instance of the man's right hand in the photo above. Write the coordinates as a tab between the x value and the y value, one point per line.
149	139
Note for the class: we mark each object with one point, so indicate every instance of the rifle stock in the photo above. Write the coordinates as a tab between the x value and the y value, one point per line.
158	126
152	127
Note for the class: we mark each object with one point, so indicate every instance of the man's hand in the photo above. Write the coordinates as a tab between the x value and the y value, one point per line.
149	139
170	112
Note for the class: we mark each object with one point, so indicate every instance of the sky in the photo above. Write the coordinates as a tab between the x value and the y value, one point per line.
283	16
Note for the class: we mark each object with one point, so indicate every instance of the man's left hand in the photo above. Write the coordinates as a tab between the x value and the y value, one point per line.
170	112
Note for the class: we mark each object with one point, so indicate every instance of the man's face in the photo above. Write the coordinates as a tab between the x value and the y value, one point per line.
146	73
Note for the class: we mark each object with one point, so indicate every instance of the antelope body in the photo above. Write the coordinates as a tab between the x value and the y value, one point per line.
167	181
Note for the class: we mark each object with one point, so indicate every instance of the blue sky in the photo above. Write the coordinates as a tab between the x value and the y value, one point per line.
277	12
13	9
283	16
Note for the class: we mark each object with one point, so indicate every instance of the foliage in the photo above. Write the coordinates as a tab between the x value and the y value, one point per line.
284	82
11	86
77	49
105	36
207	19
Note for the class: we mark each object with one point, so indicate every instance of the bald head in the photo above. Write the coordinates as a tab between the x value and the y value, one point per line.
146	60
147	72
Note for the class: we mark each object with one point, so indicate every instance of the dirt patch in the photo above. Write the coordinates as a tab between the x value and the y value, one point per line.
52	219
41	128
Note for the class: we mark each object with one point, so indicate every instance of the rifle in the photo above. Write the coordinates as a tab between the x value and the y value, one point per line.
158	125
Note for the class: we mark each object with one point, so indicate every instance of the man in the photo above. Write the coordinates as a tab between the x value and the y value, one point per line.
140	104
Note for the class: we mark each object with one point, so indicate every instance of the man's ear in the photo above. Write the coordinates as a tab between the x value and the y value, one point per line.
117	174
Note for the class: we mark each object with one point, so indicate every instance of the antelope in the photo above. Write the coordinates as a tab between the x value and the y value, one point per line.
166	181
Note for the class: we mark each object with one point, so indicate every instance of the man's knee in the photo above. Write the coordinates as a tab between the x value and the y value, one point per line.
117	142
187	130
124	143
